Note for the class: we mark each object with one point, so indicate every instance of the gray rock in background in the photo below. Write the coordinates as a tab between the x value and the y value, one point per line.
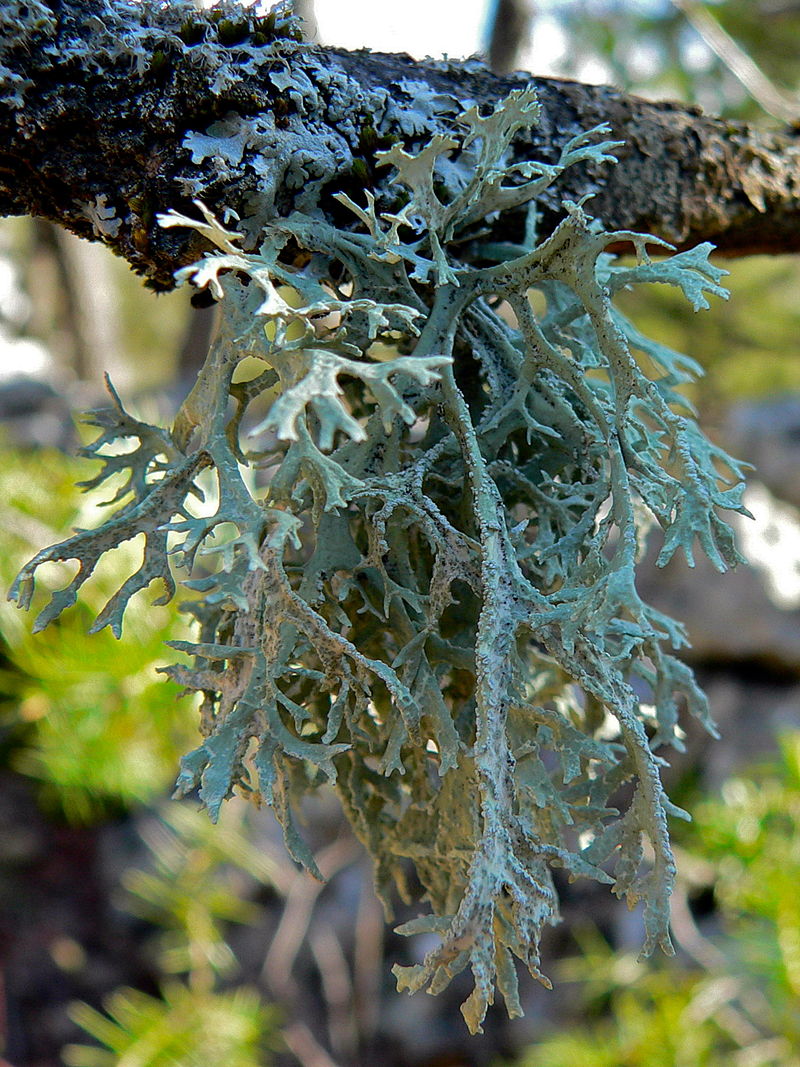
750	615
767	434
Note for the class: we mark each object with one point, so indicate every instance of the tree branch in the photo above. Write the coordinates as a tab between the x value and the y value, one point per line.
112	111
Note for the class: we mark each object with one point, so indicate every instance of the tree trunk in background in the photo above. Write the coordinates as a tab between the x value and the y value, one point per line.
304	9
93	299
197	336
75	305
510	31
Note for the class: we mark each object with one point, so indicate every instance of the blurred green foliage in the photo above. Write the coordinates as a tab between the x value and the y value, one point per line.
752	835
200	879
183	1028
748	348
89	717
197	883
734	999
650	47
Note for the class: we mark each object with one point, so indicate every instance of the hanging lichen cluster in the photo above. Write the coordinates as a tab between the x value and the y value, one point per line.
408	493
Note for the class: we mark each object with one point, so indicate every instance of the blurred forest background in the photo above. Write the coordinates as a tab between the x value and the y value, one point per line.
133	932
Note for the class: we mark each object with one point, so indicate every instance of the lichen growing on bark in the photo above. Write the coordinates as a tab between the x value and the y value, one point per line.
411	531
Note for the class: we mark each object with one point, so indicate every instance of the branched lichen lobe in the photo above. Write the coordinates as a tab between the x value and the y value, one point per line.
428	597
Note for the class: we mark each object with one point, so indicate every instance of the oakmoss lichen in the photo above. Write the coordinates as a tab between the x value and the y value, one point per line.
428	595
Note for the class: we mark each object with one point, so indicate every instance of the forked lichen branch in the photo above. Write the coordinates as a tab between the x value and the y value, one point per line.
414	572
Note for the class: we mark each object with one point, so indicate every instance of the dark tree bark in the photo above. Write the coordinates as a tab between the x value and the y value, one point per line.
112	112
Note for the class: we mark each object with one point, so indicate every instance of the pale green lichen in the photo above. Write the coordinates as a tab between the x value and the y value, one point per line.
428	597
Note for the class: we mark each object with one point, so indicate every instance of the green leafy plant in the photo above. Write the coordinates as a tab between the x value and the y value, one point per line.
752	835
192	890
95	740
418	565
181	1027
637	1016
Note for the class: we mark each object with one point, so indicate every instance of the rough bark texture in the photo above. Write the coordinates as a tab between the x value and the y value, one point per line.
106	121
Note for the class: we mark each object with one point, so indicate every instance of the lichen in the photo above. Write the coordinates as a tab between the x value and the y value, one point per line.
411	538
219	40
102	216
